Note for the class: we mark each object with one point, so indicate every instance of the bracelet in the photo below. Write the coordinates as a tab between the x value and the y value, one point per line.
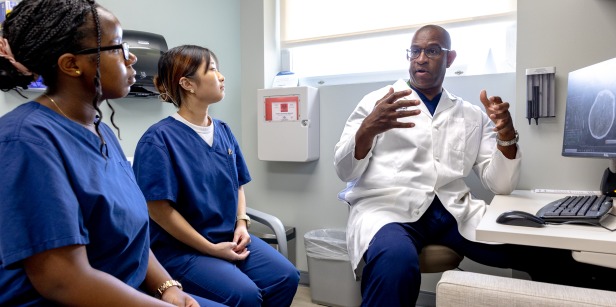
513	141
166	285
244	217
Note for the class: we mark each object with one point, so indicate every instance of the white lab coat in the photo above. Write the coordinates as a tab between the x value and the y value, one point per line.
407	167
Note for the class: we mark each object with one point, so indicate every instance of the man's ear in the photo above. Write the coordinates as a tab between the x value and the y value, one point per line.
451	55
68	64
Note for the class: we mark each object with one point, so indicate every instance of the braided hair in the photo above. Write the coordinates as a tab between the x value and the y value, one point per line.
39	32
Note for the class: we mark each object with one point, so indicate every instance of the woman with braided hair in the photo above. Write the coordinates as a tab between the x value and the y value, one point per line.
74	223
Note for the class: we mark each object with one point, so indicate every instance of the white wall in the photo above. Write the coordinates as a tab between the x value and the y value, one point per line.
569	34
303	195
210	23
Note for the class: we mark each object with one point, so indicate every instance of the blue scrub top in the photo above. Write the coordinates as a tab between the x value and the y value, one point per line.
56	190
172	162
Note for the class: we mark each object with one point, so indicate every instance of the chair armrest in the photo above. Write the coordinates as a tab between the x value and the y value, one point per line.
275	224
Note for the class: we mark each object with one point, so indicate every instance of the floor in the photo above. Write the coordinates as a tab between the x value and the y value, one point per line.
302	299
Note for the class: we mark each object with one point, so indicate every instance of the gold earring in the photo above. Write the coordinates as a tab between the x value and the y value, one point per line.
78	72
192	91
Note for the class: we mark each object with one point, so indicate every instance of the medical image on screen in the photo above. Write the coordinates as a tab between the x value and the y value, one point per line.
591	112
601	115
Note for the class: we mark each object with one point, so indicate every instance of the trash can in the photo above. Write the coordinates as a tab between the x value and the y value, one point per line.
266	234
329	269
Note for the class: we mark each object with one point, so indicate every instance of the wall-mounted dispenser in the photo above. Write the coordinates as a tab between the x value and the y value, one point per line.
148	47
288	124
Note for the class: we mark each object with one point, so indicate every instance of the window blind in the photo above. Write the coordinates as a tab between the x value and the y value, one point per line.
316	21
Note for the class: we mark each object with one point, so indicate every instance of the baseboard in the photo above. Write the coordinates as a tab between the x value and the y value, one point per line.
303	278
426	299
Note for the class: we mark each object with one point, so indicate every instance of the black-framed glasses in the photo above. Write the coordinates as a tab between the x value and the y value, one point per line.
123	46
431	52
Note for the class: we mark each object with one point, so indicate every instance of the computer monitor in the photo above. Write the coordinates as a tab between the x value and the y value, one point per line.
590	116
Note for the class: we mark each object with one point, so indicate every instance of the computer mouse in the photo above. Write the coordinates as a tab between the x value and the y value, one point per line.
520	218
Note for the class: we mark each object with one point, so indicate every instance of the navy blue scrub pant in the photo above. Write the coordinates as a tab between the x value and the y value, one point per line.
205	302
391	275
264	278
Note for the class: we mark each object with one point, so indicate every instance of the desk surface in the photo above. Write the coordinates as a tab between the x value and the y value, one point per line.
572	237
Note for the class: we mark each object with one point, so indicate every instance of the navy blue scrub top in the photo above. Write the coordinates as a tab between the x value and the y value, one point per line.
172	162
56	190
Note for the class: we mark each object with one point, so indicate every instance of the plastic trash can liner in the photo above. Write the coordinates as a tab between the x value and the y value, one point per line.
329	244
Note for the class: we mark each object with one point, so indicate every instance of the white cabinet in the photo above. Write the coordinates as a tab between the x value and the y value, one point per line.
288	124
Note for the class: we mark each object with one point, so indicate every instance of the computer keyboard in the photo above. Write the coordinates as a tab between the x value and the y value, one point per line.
577	209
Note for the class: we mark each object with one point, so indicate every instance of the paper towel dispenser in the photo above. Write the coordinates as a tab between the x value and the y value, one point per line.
148	47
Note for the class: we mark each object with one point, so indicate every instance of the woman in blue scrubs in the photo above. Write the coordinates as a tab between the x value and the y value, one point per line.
192	172
73	220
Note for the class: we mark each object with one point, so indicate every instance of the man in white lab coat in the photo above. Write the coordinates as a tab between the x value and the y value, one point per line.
405	151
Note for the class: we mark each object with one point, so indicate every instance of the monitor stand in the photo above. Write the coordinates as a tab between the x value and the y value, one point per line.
608	182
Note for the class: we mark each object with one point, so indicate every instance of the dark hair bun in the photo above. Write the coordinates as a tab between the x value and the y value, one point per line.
164	95
10	78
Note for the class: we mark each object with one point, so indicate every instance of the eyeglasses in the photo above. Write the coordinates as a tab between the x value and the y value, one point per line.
431	52
123	46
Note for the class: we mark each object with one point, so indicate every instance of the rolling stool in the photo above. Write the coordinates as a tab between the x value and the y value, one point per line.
438	258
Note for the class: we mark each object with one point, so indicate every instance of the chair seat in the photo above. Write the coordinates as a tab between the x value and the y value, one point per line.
438	258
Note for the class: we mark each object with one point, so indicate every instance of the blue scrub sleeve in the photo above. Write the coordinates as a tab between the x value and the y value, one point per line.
39	209
154	172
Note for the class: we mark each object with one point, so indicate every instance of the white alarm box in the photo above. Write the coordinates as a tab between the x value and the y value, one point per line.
288	124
